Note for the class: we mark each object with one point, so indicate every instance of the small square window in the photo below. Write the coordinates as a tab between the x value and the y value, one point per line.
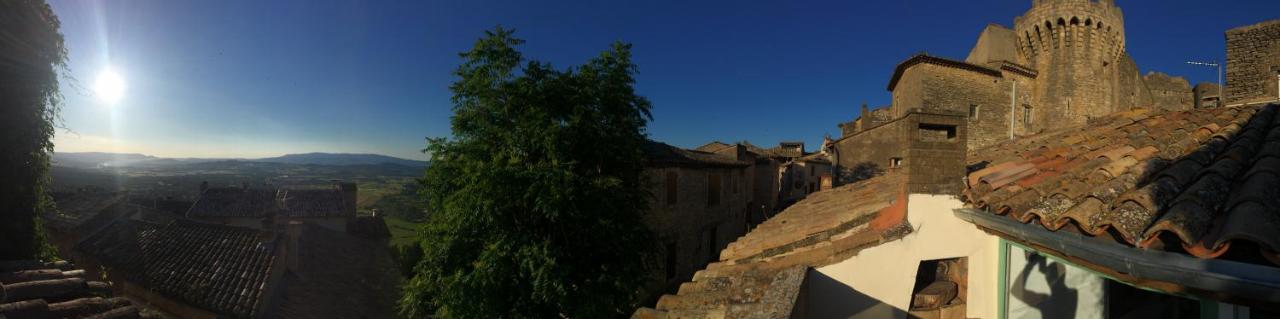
895	162
973	111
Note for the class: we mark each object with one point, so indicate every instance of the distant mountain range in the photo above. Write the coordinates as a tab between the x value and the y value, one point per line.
341	159
97	159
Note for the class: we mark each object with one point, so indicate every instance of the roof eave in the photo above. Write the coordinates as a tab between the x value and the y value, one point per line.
1173	273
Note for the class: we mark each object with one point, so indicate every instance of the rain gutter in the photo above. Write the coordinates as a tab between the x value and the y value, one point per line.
1237	279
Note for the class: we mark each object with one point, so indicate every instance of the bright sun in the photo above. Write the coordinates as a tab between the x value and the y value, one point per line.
109	87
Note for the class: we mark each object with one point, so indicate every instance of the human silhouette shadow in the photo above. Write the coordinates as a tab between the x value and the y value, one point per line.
1060	302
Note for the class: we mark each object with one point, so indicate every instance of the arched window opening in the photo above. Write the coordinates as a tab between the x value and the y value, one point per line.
1088	22
1075	21
1062	22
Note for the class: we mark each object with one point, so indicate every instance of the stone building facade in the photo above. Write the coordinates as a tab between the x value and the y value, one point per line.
922	145
701	202
1207	95
1169	93
1062	63
1253	63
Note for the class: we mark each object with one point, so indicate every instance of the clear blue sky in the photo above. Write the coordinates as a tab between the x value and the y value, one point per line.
263	78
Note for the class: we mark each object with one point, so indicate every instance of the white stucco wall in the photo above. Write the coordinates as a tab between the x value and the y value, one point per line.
877	282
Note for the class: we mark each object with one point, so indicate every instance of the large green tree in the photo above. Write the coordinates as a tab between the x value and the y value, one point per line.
536	201
31	54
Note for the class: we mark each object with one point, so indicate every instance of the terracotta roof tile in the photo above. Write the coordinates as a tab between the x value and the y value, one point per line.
221	268
1199	179
761	272
32	289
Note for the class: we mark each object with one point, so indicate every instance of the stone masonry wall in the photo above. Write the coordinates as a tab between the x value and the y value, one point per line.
1077	46
935	165
949	90
872	149
1253	63
1206	95
689	221
1169	92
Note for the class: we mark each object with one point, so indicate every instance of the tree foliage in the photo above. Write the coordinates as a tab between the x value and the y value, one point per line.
536	201
31	56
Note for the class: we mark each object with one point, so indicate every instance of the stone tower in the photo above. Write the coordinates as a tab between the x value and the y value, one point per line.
1078	46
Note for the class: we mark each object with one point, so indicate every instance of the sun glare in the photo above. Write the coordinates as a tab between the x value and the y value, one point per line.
109	86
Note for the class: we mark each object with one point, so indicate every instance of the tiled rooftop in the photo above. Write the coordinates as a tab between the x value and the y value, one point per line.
235	202
76	209
759	274
220	268
314	203
661	154
253	203
32	289
1196	182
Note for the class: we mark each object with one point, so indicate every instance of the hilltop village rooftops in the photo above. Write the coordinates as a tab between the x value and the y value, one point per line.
259	202
77	209
235	202
313	203
760	274
1178	201
221	268
662	154
33	289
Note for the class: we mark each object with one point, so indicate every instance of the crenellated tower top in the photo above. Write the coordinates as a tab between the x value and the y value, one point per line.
1087	28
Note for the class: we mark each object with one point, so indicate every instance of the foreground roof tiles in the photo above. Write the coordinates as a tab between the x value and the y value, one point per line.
220	268
1196	182
32	289
759	274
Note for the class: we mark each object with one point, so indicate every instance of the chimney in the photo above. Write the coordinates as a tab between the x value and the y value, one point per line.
865	111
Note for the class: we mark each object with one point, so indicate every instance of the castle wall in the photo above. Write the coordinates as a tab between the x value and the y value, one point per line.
1253	63
1169	93
995	43
1078	48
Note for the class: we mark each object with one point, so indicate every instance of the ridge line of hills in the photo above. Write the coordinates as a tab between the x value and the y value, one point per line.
104	159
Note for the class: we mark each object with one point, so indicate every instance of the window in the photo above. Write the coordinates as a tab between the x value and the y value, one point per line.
732	183
738	183
713	189
812	170
940	284
936	133
973	111
671	260
895	162
1026	114
713	252
672	188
